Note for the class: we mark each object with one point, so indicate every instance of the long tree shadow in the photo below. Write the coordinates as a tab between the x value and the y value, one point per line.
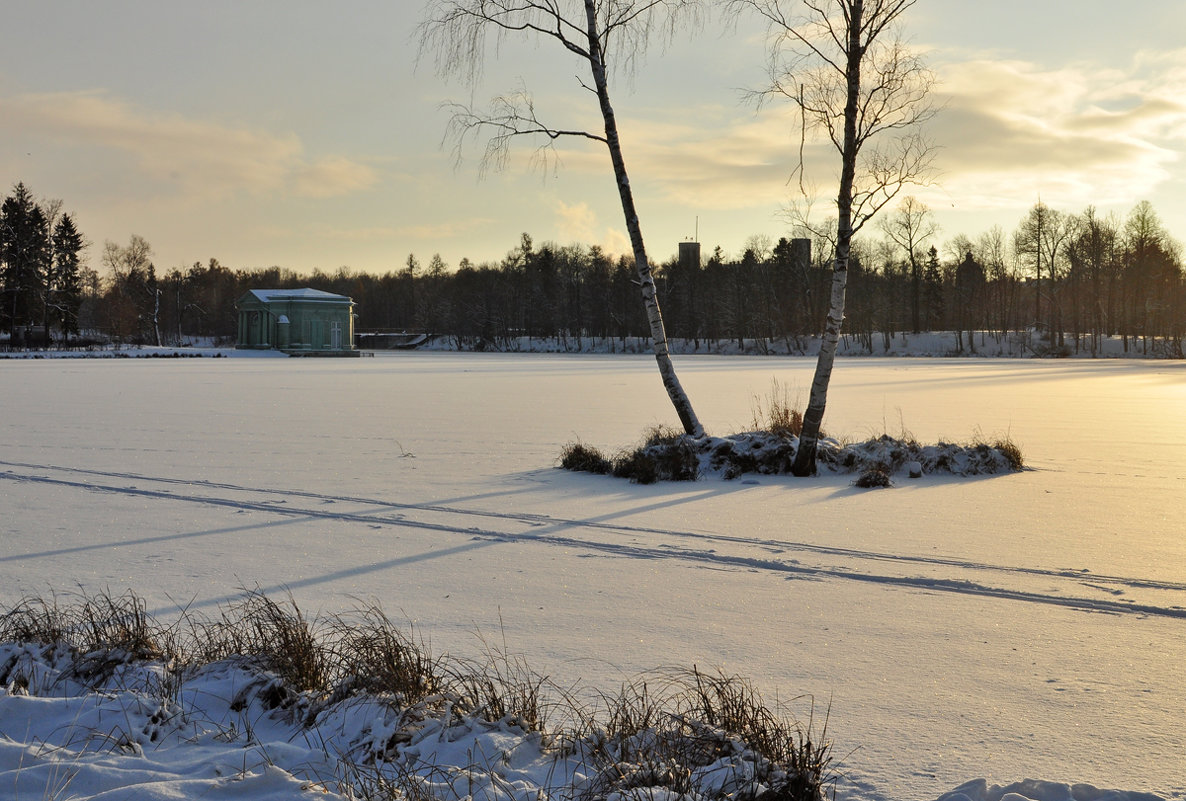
562	533
344	573
102	546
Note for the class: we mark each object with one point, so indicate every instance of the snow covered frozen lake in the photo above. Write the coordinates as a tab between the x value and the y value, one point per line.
1020	626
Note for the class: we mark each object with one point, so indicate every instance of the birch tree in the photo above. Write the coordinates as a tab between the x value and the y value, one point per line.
604	37
856	85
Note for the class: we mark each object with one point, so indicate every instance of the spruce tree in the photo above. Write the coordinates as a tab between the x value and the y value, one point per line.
65	284
24	256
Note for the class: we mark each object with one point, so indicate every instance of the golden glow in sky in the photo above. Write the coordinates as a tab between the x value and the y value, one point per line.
306	136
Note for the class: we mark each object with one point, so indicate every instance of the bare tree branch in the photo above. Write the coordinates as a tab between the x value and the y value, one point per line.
858	86
509	117
607	37
807	65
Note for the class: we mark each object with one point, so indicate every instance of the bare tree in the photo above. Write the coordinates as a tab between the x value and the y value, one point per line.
1043	234
1152	259
910	225
1092	256
136	302
992	250
843	68
594	32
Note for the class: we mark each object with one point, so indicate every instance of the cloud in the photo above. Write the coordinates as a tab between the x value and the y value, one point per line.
178	154
616	243
341	233
442	231
333	177
707	155
713	156
579	223
1078	135
575	223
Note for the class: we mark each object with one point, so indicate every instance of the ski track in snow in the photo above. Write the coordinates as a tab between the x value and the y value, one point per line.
551	531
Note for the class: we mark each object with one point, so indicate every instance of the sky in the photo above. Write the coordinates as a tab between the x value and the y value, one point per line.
310	136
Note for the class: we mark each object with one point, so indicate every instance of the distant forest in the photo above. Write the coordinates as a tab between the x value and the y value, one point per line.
1077	277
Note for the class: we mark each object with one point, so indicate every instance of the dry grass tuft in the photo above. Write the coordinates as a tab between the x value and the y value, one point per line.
370	655
875	477
275	634
661	435
93	622
584	458
665	728
1011	451
777	413
659	458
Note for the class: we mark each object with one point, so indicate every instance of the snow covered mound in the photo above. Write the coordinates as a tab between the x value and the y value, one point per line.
763	452
1031	790
666	455
104	725
107	724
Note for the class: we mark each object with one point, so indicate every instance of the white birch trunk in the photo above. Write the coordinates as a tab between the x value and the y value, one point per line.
804	464
675	390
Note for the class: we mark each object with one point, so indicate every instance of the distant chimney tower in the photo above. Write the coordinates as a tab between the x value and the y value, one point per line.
689	255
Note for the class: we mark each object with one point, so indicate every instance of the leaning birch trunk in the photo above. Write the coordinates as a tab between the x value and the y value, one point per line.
675	391
804	464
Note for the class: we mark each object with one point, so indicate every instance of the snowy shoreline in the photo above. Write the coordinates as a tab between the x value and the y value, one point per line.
928	345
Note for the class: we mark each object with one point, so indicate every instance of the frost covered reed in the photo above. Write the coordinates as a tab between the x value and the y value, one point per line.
392	718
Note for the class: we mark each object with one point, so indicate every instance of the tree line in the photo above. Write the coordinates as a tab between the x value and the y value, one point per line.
1075	277
40	268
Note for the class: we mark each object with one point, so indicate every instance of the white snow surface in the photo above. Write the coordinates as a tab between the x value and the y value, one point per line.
965	633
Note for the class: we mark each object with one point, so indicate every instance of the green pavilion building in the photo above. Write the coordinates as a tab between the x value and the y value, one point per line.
300	322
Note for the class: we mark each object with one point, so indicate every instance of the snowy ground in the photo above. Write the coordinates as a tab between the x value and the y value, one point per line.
1027	625
980	344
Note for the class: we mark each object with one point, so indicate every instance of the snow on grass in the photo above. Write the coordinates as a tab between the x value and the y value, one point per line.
110	723
667	455
111	700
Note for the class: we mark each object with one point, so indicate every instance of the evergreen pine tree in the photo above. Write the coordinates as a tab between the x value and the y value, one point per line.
24	257
64	283
933	291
